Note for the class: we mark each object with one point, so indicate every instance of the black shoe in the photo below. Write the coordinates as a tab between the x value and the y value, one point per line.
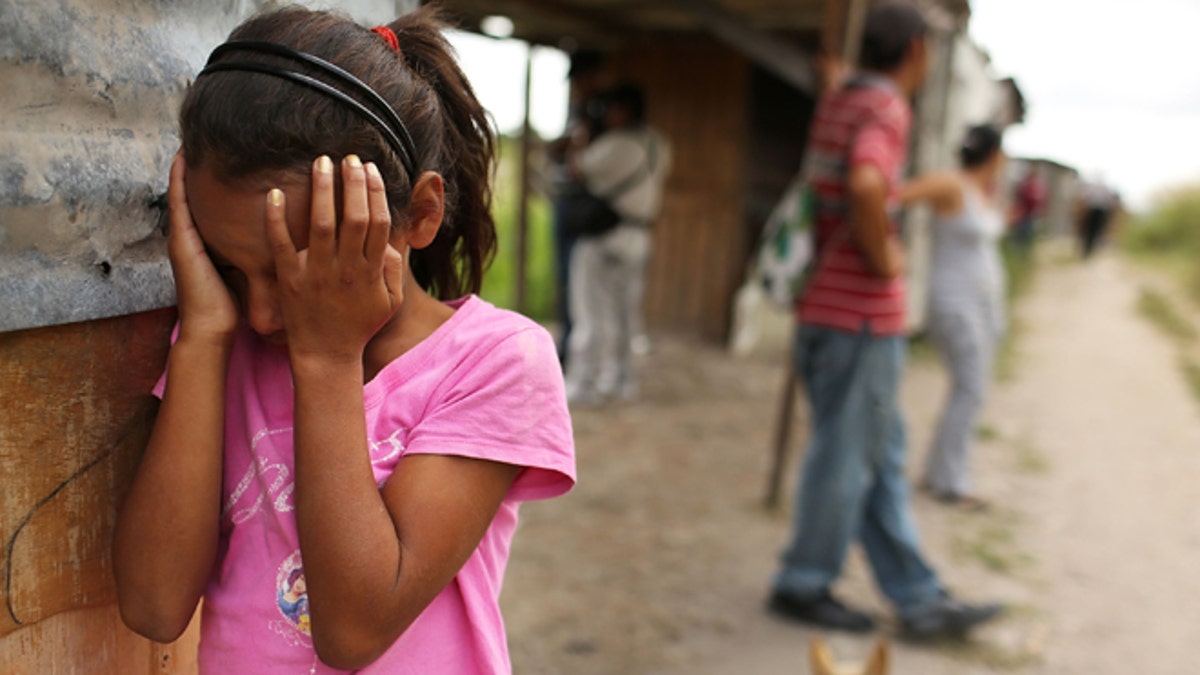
946	618
823	610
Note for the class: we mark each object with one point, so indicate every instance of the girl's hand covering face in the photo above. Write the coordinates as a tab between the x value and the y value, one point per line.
206	309
337	293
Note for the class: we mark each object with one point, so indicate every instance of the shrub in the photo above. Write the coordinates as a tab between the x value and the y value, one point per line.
1170	232
500	281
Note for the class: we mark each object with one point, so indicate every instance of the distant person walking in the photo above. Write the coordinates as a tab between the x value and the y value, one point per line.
849	353
1028	202
1098	203
628	161
966	303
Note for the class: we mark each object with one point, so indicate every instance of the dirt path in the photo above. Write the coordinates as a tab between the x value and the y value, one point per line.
659	561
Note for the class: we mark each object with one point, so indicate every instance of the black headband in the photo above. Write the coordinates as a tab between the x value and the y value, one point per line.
393	130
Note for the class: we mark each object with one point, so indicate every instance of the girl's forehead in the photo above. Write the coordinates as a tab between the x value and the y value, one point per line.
235	211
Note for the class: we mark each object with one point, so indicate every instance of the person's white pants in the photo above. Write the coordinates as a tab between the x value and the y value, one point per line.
608	280
967	341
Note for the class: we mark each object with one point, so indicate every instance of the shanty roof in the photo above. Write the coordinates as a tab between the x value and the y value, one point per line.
596	22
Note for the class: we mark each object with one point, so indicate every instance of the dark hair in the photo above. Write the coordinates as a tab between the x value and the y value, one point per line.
585	62
979	145
244	124
888	32
628	96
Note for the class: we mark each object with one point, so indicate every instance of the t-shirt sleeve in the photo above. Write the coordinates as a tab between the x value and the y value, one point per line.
506	405
880	142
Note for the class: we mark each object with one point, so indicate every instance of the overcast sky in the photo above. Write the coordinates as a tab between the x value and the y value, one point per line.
1113	86
496	69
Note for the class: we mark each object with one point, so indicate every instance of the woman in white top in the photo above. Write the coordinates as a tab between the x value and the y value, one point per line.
967	300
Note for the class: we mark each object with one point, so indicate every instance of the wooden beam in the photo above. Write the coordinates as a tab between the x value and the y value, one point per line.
843	27
548	21
523	197
590	17
789	63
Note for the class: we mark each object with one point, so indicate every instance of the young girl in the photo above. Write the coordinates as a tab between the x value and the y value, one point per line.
966	302
345	431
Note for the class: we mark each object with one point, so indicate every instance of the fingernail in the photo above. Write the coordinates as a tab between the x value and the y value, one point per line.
373	170
275	196
353	161
324	164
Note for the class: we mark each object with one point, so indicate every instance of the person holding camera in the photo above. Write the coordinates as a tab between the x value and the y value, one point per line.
623	170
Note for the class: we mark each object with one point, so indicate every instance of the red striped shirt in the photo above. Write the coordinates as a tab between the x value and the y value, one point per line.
866	122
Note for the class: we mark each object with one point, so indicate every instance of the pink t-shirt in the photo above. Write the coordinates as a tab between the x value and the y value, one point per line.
486	384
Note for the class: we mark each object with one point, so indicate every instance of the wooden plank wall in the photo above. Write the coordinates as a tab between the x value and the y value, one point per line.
779	119
76	413
697	94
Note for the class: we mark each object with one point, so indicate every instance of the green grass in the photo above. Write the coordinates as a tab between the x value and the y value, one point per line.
1167	240
1029	458
1019	269
987	433
1161	312
992	543
1191	373
1168	237
500	281
1008	358
921	349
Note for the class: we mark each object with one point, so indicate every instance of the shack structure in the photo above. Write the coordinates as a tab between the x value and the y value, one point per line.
732	84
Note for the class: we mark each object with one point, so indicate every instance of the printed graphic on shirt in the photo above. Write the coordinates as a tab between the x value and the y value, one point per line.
291	596
273	480
384	455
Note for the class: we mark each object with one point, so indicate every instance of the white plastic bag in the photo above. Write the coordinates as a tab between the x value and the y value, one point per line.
786	248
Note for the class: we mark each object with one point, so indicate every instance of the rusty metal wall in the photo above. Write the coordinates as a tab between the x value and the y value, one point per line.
88	95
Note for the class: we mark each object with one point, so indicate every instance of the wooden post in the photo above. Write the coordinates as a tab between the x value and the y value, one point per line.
841	33
783	435
523	197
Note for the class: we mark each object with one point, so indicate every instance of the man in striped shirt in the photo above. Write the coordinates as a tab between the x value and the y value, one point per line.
849	352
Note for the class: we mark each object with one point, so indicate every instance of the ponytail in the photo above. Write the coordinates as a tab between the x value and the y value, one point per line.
455	261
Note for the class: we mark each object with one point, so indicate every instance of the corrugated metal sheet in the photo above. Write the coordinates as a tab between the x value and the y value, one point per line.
87	132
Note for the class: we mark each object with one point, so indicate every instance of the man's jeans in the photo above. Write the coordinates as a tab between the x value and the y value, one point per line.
853	485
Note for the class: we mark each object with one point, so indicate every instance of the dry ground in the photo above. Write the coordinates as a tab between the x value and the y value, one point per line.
659	561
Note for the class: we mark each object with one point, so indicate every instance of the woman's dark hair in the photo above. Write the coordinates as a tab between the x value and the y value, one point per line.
888	32
630	97
979	145
246	124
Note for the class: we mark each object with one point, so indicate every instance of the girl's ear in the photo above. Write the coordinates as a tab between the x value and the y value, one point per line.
425	212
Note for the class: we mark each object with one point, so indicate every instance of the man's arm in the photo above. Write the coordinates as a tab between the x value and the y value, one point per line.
867	191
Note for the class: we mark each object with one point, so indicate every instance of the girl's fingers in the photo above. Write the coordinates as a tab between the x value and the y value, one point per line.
322	234
380	227
355	210
282	247
183	241
180	218
393	274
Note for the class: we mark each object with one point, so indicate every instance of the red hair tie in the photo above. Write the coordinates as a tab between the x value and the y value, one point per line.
389	36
